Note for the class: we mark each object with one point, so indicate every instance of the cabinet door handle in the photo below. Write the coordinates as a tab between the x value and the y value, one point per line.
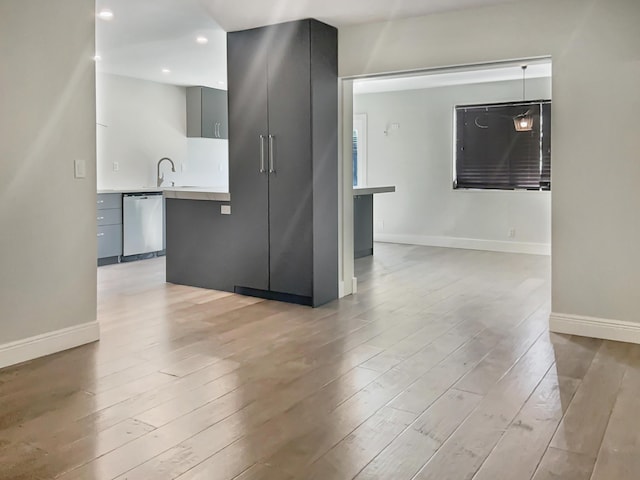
218	130
262	168
272	160
101	234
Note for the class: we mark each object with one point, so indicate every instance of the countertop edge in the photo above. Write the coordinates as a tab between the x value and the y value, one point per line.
372	190
197	195
181	193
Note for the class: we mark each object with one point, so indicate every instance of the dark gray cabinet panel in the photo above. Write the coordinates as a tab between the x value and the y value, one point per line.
109	241
248	178
362	226
109	221
198	244
207	115
214	113
111	216
109	200
290	189
283	160
324	149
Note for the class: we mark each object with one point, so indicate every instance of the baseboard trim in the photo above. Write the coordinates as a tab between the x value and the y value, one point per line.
583	326
51	342
466	243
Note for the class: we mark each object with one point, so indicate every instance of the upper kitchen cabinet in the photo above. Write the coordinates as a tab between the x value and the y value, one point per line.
283	167
207	113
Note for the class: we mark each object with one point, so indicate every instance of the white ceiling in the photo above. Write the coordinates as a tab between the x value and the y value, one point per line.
146	36
458	76
241	14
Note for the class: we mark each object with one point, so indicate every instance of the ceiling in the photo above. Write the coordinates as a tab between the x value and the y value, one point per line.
454	76
241	14
146	36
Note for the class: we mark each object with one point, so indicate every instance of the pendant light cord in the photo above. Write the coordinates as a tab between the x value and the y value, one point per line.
524	68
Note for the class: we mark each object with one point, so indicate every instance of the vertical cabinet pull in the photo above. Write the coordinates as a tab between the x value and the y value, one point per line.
272	160
262	167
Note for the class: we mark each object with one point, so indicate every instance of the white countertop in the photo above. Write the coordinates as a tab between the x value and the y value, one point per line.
371	190
216	194
131	190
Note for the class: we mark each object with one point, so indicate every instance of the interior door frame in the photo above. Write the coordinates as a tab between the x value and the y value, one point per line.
347	283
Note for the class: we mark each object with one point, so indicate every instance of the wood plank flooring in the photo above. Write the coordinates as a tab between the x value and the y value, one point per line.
441	367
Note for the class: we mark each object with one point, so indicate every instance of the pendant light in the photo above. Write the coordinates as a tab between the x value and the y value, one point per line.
524	121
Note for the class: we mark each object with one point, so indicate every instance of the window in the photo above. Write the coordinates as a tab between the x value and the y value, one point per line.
491	154
359	150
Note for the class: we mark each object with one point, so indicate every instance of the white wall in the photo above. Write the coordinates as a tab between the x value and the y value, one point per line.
139	122
418	159
595	47
47	217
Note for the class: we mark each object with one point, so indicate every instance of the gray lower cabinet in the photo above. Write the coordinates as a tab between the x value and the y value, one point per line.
109	220
362	226
207	113
283	161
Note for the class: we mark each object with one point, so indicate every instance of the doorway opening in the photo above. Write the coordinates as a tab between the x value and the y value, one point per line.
429	131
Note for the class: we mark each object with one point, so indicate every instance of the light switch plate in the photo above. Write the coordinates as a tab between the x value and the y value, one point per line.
80	168
225	209
116	166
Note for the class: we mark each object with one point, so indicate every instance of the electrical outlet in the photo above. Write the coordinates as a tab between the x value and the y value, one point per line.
225	209
380	225
512	232
116	166
79	169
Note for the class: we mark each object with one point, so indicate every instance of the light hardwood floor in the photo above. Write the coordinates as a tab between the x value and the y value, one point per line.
441	367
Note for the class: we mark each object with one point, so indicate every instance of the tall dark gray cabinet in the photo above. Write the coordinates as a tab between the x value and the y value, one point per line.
283	168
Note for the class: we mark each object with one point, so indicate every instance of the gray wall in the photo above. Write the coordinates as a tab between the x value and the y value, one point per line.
596	73
47	120
418	159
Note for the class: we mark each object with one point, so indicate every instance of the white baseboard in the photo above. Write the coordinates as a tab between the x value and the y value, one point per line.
342	288
466	243
618	330
48	343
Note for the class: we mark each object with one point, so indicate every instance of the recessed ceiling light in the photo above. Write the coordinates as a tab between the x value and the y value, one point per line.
166	71
202	40
97	58
105	14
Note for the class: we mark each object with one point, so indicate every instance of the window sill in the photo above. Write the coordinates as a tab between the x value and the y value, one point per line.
498	190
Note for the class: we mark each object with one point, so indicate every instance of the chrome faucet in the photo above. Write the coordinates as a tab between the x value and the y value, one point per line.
173	169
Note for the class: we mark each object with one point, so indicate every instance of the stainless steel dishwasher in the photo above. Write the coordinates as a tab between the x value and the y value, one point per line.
142	223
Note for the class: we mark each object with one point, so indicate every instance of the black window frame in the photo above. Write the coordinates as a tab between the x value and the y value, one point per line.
510	161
